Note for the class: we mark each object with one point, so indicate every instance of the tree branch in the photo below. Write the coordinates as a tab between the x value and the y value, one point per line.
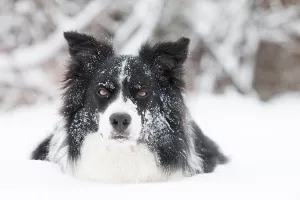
45	50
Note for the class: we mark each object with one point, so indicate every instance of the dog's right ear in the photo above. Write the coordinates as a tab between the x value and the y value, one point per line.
84	51
86	45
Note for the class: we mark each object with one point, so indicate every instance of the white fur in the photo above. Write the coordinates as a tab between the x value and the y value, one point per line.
113	161
109	161
58	150
194	160
122	73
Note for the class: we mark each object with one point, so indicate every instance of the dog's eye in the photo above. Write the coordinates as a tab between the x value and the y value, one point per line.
103	92
142	93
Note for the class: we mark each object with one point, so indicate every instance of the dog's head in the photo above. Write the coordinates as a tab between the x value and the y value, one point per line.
123	97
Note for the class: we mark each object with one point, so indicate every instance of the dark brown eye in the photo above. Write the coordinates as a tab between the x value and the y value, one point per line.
142	93
103	92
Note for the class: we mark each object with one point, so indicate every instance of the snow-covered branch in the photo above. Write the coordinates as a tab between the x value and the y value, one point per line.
40	52
139	26
147	25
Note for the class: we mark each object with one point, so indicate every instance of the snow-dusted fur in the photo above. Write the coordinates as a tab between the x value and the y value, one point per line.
124	118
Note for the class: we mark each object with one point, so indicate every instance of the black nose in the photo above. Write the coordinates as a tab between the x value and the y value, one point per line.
120	121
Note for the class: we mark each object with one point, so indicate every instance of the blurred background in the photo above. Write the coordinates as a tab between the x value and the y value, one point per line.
249	46
243	79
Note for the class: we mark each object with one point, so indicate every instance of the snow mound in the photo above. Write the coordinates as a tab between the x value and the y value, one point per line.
260	139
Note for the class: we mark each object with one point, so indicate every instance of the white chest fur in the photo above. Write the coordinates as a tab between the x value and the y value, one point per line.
111	161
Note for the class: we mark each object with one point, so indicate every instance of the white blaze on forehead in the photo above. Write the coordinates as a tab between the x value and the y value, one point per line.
122	75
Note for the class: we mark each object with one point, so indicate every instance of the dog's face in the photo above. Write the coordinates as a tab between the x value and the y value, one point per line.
124	98
122	90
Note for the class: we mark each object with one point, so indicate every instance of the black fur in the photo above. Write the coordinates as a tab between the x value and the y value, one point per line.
208	150
41	152
168	58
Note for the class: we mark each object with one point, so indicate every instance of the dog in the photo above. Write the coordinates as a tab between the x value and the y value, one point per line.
124	119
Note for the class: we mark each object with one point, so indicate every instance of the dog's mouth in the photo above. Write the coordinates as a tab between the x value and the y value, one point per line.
119	137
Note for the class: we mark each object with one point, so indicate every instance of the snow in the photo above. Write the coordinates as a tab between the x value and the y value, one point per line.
261	139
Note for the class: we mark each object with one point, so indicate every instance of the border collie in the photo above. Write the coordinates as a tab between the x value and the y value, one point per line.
124	118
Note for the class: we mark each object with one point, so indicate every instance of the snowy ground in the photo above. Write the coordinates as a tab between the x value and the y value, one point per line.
261	139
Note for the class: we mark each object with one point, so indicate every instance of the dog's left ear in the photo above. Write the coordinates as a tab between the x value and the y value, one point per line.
168	58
